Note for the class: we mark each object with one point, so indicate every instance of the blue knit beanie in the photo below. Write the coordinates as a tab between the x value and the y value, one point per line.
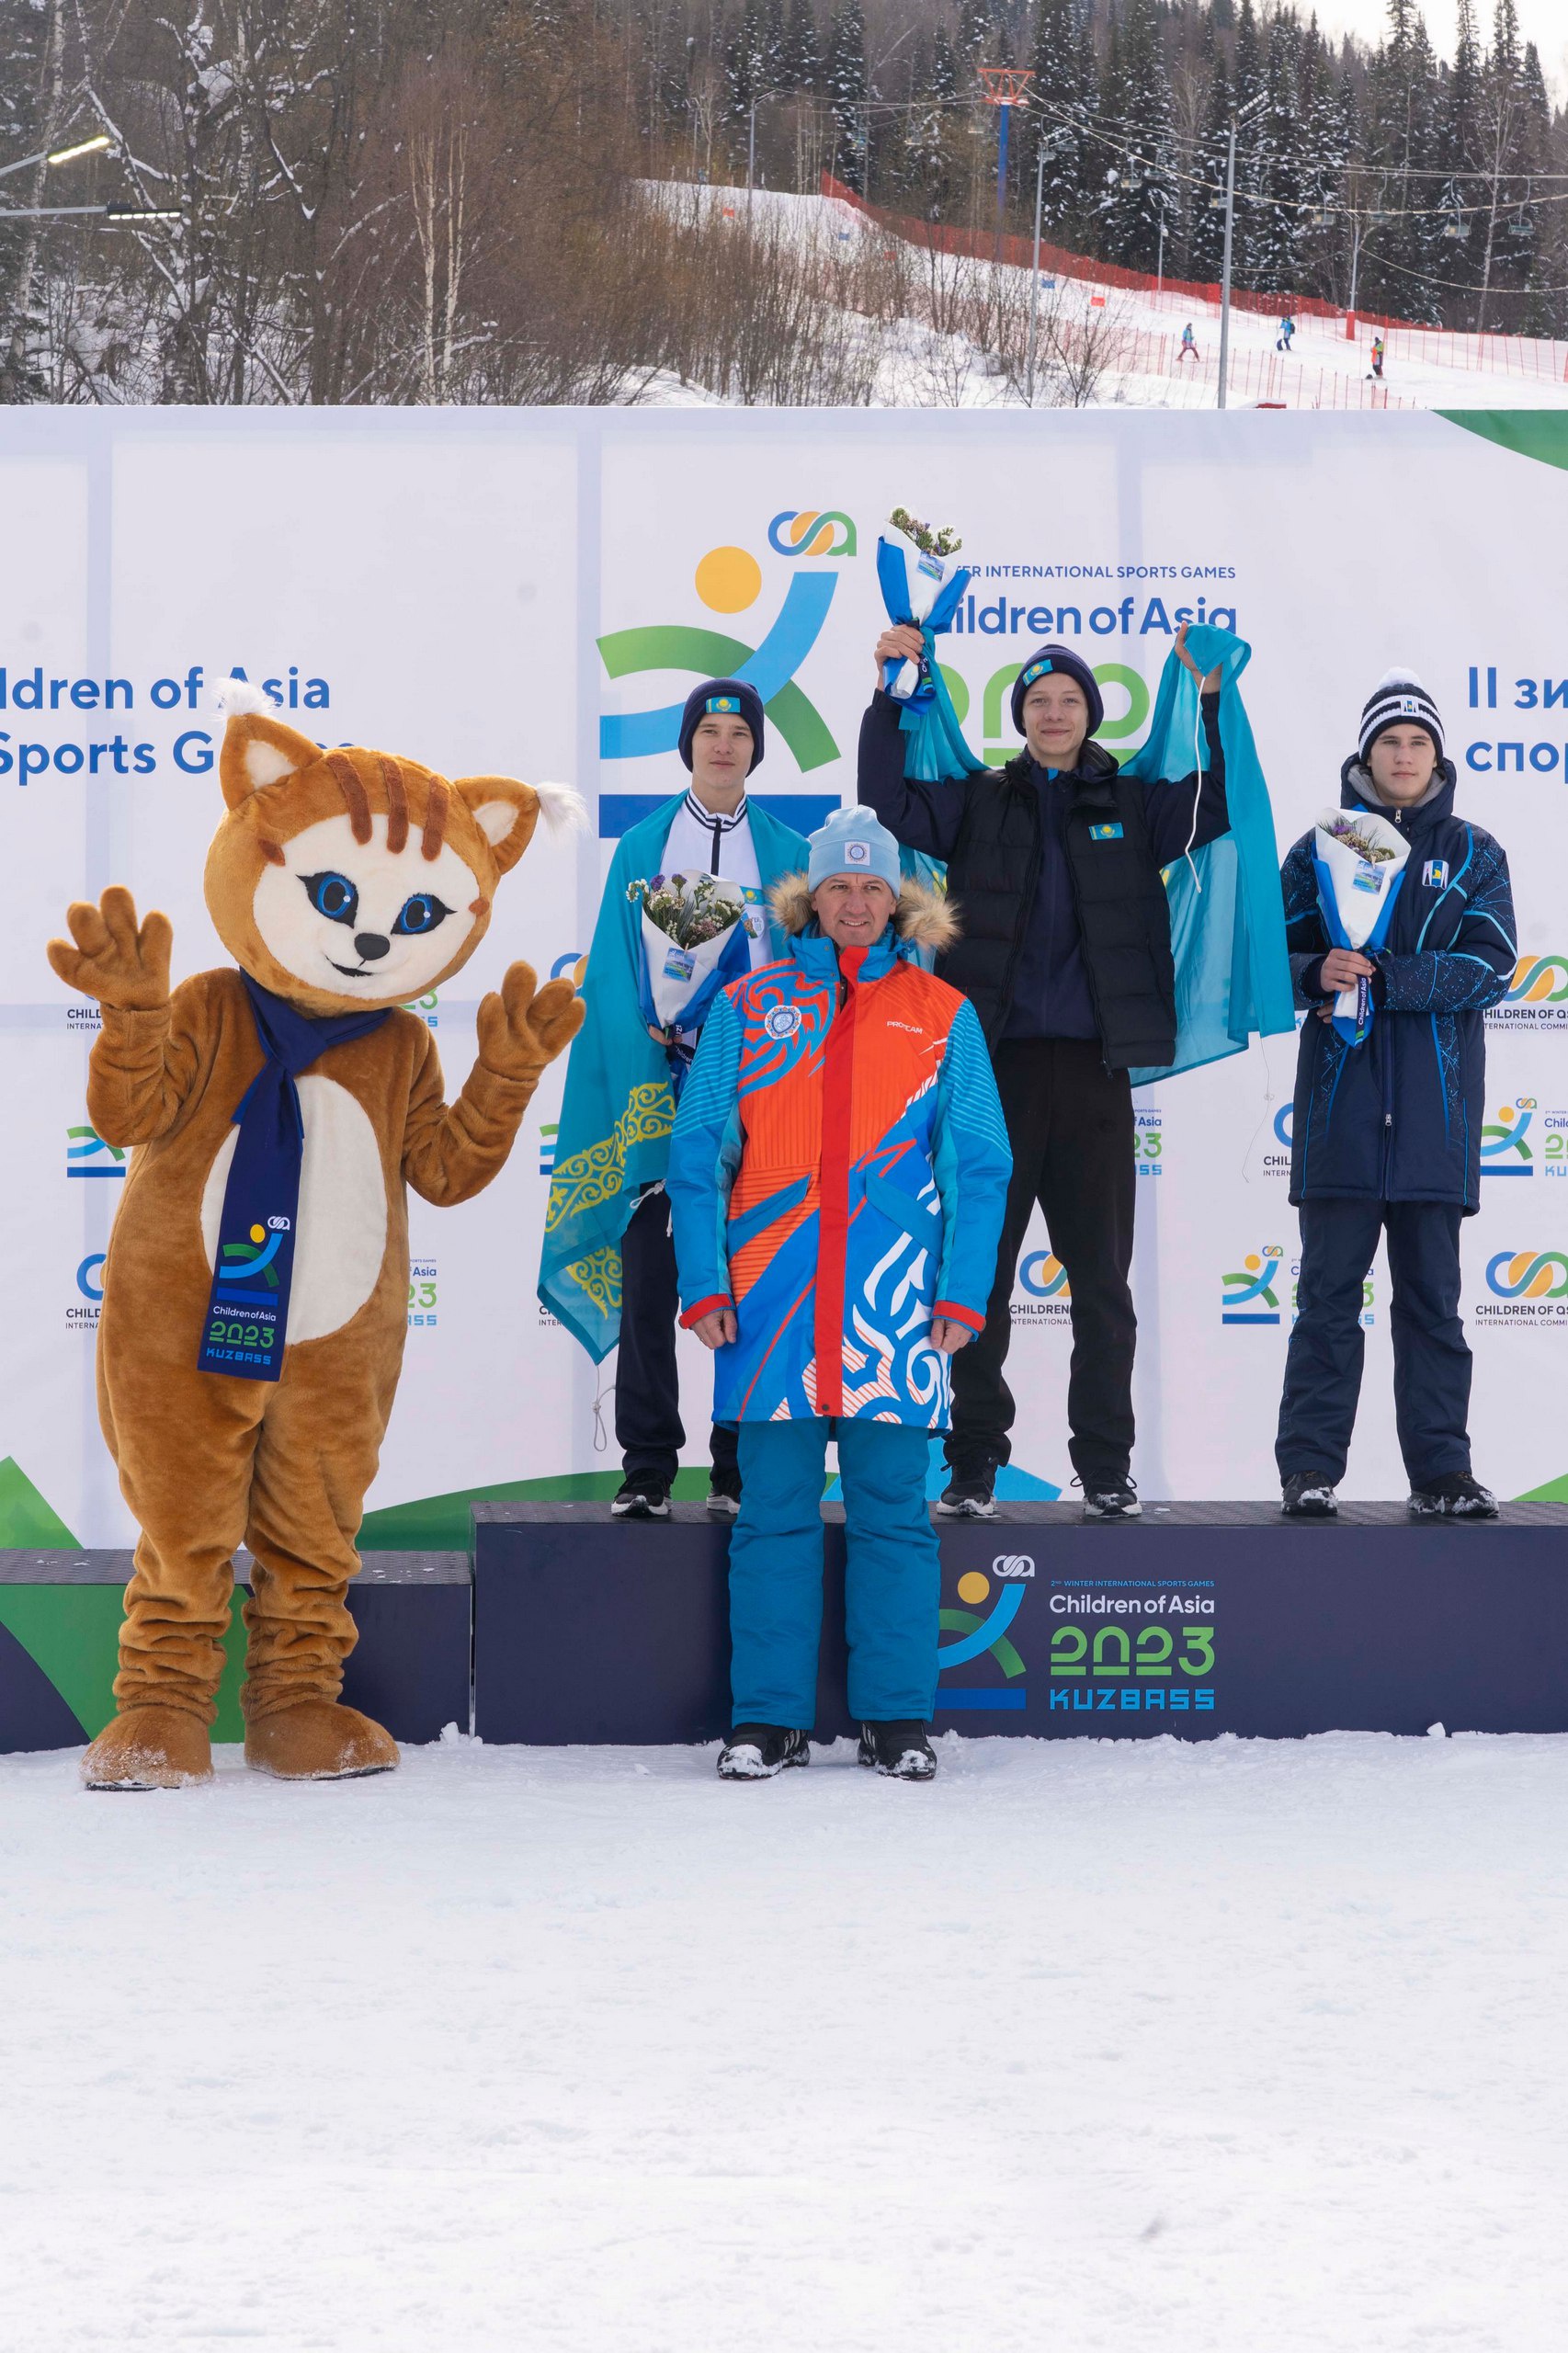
727	695
854	841
1066	665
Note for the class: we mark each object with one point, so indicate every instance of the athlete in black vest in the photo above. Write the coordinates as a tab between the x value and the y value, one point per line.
1065	954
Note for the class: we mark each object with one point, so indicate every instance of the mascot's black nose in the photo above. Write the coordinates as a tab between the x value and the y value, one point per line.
370	945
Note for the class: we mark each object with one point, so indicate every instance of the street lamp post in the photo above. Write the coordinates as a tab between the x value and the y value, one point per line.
1034	281
59	154
1236	121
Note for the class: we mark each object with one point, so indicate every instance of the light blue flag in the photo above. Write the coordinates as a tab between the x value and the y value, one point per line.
618	1108
1233	975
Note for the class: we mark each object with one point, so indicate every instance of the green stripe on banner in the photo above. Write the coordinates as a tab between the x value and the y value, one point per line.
28	1523
72	1634
441	1523
1539	434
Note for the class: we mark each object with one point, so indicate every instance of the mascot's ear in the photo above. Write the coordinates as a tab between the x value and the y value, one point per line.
258	751
505	811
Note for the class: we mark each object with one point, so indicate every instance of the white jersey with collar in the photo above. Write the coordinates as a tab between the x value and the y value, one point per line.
701	843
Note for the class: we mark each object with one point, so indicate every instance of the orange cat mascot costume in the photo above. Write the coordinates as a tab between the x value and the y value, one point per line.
344	883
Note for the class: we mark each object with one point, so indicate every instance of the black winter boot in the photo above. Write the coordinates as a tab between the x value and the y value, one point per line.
756	1752
901	1750
1458	1496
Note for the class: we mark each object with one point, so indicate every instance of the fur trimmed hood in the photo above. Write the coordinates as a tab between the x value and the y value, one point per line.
923	919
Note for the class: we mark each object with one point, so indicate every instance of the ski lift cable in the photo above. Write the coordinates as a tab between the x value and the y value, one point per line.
1282	203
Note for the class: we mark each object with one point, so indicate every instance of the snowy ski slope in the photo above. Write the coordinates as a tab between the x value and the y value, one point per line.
1325	369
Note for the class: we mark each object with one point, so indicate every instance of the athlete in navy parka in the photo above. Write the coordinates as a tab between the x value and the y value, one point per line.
1387	1135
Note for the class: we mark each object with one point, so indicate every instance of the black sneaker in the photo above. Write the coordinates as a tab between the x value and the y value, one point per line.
724	1494
1308	1496
1115	1499
644	1495
756	1752
902	1751
970	1498
1458	1496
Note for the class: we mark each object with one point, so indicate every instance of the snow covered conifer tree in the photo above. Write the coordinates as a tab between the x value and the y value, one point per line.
1142	192
1272	244
845	79
1065	82
1207	244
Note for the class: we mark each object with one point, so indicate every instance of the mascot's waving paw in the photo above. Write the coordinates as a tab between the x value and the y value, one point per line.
256	1292
110	959
523	1029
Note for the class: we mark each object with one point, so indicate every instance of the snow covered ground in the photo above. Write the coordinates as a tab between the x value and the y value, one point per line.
1141	335
1233	2047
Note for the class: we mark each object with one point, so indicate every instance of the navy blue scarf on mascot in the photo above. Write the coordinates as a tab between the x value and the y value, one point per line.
248	1314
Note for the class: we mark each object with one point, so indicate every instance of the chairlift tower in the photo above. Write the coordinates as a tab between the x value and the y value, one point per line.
1004	88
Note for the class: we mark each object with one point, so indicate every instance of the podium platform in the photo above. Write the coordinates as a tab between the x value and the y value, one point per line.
1199	1618
60	1615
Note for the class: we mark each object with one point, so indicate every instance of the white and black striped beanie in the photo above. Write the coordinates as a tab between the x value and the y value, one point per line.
1399	699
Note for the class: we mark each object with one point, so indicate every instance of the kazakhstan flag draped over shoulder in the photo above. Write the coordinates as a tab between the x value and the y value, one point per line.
1233	975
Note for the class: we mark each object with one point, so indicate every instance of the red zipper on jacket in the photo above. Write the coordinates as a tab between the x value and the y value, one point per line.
838	1099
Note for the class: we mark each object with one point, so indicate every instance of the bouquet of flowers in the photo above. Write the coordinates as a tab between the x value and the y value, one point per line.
695	941
1360	860
920	586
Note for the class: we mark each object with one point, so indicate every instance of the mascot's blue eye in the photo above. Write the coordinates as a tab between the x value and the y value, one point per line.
333	896
422	913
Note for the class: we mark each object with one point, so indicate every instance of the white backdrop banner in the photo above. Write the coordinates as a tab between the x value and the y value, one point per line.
534	593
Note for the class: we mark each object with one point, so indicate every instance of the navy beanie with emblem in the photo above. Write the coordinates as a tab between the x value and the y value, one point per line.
718	696
1399	699
1066	665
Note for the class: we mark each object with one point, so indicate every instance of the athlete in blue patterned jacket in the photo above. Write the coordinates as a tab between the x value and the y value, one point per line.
837	1177
1387	1135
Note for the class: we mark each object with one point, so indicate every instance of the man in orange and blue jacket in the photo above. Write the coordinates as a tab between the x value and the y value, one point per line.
837	1177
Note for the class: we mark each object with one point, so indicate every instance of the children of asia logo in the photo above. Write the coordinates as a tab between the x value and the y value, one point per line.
1524	1140
250	1262
1248	1295
1277	1141
86	1154
978	1634
1103	1661
82	1316
1537	998
1047	1293
1149	1143
1526	1286
421	1294
1504	1151
727	581
815	531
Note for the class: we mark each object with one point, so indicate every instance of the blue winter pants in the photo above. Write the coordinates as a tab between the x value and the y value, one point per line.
1431	1358
892	1583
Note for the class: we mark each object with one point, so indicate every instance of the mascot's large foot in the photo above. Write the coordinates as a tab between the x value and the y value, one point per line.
149	1748
316	1739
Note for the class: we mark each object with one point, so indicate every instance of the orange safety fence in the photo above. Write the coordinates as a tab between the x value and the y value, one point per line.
1501	353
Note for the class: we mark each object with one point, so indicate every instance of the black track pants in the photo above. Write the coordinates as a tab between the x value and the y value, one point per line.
1070	1125
647	1388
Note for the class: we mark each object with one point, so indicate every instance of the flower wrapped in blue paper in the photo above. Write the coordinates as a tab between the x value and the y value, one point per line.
1359	860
